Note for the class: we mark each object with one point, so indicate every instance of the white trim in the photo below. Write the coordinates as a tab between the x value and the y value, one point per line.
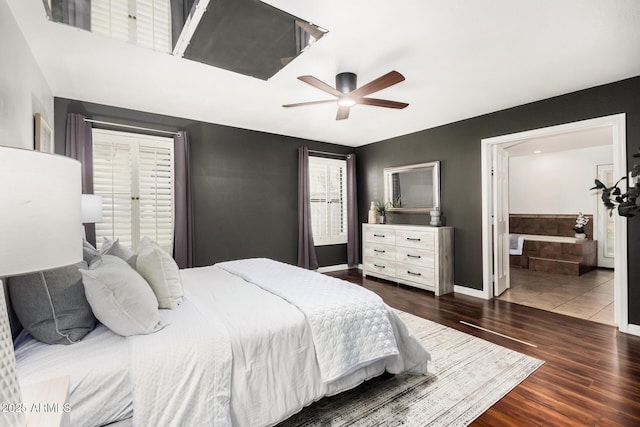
617	124
470	292
330	268
632	329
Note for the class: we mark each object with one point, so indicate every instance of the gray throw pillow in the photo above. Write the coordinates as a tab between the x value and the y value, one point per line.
88	251
115	248
52	305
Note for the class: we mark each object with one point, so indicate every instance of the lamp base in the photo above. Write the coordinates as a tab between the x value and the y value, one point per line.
9	386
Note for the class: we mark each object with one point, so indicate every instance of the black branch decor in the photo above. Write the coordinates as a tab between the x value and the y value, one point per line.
628	204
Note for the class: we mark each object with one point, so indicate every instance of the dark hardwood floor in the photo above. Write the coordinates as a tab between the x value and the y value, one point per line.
591	375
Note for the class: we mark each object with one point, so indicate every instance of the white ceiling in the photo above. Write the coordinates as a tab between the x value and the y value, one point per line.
461	58
562	142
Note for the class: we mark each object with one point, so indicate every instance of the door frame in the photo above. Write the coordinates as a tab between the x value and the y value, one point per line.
617	123
600	217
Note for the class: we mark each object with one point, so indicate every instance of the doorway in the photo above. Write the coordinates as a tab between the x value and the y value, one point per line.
493	252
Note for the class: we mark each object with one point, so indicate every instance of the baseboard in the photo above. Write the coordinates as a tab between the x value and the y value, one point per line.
330	268
469	291
632	329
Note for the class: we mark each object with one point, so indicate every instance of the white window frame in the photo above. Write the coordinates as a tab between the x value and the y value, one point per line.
323	239
138	143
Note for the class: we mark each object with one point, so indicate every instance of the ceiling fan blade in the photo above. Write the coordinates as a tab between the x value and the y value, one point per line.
321	85
381	103
343	113
383	82
300	104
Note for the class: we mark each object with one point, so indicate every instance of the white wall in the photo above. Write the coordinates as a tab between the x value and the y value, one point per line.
23	88
556	183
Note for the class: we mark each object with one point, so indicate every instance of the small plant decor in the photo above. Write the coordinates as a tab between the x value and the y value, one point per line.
397	202
381	208
627	203
381	211
581	221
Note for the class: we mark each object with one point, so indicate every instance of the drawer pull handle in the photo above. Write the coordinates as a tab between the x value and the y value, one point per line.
413	239
378	235
414	256
379	250
414	274
379	266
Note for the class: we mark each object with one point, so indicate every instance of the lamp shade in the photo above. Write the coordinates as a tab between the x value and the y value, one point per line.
91	208
39	211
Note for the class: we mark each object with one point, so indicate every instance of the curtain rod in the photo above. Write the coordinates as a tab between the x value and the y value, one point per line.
131	127
328	153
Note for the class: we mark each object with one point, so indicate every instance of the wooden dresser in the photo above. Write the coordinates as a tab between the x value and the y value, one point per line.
414	255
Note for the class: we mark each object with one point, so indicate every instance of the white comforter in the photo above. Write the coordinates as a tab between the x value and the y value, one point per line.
177	375
349	324
181	375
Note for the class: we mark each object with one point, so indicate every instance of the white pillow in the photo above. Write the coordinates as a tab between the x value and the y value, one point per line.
120	298
161	272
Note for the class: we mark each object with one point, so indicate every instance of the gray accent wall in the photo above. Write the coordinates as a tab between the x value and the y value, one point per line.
457	146
244	181
244	184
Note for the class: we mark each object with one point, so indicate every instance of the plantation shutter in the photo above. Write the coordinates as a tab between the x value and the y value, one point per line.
146	23
134	175
155	164
327	178
111	18
112	179
154	25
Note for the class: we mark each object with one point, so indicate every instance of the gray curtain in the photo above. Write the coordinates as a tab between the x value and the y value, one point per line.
183	233
353	245
76	13
306	249
79	145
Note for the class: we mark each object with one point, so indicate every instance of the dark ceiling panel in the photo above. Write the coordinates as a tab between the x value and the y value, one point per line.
244	36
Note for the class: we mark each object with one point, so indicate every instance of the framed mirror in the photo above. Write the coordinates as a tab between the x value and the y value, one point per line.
412	188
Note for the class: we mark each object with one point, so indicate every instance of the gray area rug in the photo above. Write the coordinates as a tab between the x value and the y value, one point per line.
467	375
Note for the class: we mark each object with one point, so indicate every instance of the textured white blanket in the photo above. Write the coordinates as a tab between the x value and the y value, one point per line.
187	383
349	324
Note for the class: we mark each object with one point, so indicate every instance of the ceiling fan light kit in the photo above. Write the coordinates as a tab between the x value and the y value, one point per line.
349	94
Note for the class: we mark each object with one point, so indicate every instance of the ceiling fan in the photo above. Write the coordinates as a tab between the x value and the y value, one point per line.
348	95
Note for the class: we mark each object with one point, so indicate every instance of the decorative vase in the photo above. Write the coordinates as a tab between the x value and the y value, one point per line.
580	236
380	219
372	213
435	217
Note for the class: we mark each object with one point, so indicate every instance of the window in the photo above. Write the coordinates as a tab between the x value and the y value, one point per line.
146	23
134	175
328	187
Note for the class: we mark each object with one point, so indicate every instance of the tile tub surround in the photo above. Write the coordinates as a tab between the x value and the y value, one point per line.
548	225
571	259
545	255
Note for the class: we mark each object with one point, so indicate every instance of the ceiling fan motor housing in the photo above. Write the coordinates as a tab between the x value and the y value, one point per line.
346	82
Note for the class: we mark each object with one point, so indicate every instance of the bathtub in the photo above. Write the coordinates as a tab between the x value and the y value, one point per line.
559	239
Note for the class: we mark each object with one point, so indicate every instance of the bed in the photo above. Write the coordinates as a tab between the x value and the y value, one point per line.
242	349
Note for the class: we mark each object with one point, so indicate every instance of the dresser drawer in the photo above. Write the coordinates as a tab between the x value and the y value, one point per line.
384	236
417	257
423	275
377	251
387	268
415	239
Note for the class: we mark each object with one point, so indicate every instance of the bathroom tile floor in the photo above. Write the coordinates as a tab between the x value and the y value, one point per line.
589	296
